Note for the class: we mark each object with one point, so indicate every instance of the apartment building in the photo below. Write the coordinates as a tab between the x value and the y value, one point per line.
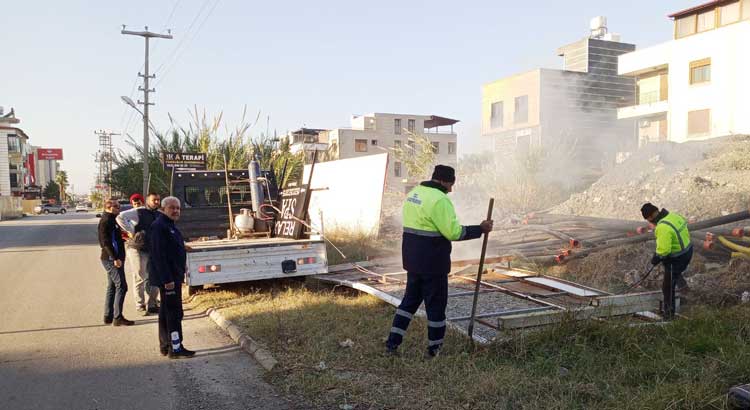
308	140
374	133
573	109
14	151
695	86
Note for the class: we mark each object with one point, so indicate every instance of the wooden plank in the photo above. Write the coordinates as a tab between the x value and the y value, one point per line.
627	299
555	284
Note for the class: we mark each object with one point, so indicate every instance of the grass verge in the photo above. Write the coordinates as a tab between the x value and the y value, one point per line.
688	364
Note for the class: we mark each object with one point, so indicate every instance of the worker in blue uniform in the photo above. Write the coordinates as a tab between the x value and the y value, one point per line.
430	224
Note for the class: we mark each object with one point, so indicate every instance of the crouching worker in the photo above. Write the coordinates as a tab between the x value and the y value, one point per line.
167	271
673	249
430	224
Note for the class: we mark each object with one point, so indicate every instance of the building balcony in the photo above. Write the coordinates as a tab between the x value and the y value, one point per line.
308	147
647	108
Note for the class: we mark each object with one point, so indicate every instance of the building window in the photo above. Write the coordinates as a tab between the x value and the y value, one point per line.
521	113
699	123
700	71
397	126
374	142
451	147
14	143
397	143
436	147
397	169
412	124
411	145
496	116
730	13
707	20
685	26
360	145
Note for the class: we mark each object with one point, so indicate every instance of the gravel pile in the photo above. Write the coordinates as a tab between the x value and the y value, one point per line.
697	179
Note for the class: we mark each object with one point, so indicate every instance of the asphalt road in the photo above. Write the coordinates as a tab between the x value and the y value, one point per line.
55	353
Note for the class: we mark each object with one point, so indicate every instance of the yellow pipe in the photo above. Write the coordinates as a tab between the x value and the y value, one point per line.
740	255
733	246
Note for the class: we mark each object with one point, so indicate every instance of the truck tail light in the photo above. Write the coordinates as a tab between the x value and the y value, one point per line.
307	261
209	268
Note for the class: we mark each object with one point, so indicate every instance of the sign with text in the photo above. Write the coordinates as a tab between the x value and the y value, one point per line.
293	204
49	153
184	160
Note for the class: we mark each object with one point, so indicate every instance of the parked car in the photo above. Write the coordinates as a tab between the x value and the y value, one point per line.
49	208
81	208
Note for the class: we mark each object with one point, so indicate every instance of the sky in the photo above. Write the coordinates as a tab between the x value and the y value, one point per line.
297	63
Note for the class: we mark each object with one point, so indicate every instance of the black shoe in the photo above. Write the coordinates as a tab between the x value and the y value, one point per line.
121	321
152	310
164	350
107	320
140	308
181	354
392	351
432	353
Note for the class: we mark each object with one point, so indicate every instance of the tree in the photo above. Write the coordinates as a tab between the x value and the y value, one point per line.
61	178
417	156
51	191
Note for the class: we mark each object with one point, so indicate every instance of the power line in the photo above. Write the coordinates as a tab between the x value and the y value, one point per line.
184	37
195	35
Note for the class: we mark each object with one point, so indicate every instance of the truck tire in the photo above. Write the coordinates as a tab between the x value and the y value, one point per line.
192	290
62	211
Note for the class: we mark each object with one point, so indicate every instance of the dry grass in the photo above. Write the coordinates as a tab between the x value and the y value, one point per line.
688	364
356	246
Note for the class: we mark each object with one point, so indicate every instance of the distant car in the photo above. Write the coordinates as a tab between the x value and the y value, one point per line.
82	208
49	208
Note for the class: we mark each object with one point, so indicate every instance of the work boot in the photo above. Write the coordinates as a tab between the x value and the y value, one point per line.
107	320
164	350
391	350
181	354
432	353
151	311
121	321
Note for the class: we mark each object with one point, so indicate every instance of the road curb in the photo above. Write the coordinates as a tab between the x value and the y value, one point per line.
246	343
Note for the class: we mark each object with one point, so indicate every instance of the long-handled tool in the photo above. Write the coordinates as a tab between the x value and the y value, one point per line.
479	273
633	286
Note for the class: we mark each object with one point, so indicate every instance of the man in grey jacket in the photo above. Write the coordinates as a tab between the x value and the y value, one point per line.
135	222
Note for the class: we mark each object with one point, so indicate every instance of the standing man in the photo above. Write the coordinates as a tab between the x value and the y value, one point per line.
113	257
430	224
673	249
167	271
135	222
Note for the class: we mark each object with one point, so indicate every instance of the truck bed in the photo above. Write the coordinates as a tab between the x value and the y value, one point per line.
241	260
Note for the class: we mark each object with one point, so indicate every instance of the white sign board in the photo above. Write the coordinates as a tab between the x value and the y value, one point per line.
351	193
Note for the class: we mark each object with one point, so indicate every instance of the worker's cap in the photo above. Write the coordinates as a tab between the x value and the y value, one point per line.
136	197
648	209
444	173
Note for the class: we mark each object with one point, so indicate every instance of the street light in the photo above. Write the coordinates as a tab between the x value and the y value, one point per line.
146	178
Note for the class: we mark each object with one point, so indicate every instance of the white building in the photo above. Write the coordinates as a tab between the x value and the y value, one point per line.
45	169
14	151
697	85
572	110
308	140
375	133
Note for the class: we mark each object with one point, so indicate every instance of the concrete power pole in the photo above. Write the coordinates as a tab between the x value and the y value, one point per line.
146	35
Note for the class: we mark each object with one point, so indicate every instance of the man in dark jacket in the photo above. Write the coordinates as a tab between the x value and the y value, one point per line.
167	271
113	257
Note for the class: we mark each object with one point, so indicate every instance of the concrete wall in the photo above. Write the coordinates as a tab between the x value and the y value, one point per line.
10	207
352	200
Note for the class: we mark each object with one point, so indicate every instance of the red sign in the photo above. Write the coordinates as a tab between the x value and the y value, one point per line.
50	153
32	170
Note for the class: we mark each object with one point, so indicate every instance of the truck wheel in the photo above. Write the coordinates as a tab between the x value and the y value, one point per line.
192	290
46	212
62	211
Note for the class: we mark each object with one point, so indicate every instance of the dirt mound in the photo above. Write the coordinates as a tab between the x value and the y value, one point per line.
697	179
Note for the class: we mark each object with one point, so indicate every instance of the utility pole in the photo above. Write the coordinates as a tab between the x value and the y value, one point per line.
105	156
146	35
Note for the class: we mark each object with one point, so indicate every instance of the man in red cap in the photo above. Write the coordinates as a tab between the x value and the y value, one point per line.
135	222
